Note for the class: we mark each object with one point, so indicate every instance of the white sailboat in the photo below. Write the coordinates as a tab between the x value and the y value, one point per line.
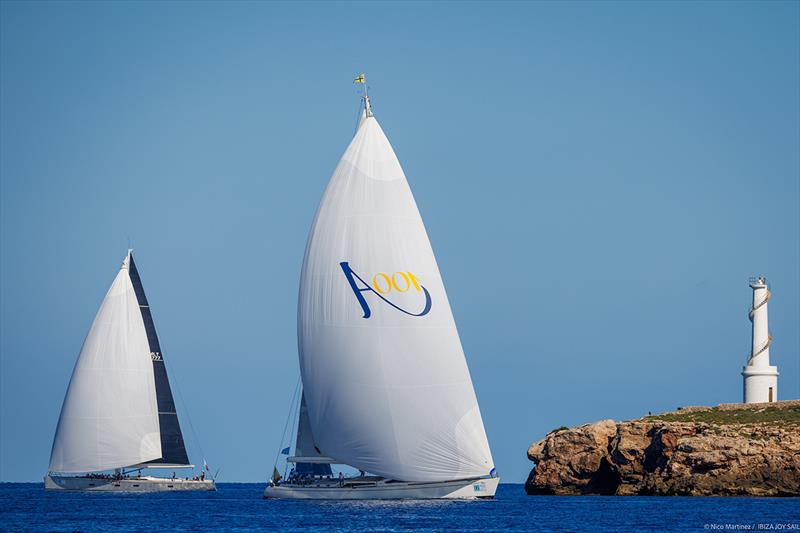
386	388
119	413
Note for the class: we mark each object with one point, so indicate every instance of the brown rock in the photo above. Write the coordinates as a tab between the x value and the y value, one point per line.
669	456
571	458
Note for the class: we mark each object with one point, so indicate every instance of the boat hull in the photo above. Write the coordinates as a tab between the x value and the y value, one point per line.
143	484
454	490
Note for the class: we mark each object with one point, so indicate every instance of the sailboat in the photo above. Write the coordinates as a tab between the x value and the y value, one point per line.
118	414
386	388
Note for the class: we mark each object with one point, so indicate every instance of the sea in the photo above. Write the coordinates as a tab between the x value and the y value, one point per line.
240	507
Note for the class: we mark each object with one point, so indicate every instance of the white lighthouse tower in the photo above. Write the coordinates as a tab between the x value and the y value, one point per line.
760	379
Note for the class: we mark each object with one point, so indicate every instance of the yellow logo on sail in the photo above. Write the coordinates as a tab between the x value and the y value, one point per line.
398	281
382	285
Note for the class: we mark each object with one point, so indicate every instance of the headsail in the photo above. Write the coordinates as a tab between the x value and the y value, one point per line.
173	449
385	378
109	418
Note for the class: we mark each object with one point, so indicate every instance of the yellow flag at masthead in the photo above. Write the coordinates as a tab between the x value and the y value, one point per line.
359	79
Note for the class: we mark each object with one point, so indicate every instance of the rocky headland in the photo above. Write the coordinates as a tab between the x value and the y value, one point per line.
728	450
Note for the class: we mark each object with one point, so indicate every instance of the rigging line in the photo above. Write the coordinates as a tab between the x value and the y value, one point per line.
358	115
286	425
291	408
185	407
295	412
169	370
295	419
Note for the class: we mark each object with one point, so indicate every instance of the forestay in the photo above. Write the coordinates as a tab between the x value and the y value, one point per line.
385	377
109	418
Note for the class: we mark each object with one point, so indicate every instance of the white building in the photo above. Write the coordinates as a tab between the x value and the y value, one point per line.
760	379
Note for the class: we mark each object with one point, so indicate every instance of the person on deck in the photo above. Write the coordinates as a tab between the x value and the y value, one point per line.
341	479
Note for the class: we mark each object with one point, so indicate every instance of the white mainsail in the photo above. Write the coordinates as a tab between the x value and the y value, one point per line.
384	374
109	418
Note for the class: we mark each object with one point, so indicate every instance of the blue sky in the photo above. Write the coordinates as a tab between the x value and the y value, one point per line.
598	181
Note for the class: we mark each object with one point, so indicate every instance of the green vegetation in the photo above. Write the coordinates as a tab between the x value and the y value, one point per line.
756	415
558	429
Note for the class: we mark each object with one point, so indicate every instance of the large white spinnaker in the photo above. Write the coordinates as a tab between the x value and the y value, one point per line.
384	374
109	418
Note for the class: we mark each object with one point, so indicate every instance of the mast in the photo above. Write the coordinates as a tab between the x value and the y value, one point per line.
362	79
367	104
173	449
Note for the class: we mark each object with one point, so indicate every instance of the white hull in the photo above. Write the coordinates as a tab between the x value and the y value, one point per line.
388	490
142	484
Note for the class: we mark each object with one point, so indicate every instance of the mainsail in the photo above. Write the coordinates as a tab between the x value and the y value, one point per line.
109	418
306	447
173	449
385	379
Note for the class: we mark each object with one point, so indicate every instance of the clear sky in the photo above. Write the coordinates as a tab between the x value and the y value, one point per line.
598	181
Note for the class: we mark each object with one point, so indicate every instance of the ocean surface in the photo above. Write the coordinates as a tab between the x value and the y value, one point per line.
240	507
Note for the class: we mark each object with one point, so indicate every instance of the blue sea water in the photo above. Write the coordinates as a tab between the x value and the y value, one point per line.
240	507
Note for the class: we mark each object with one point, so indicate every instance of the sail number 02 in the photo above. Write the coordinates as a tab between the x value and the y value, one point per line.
399	281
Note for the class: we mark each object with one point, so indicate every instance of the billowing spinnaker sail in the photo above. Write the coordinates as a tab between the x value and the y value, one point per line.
384	373
109	418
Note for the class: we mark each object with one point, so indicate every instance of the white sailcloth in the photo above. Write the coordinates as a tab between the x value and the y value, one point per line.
384	374
109	418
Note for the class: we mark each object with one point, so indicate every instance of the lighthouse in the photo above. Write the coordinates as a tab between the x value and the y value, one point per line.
760	379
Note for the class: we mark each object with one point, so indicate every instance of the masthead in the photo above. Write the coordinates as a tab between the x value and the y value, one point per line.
362	79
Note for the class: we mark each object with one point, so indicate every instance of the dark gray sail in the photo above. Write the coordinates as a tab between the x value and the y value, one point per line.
173	450
305	446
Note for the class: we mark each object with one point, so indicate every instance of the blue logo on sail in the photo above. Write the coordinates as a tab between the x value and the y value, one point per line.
399	281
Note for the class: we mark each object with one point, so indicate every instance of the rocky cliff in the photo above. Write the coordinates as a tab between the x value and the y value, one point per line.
732	449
